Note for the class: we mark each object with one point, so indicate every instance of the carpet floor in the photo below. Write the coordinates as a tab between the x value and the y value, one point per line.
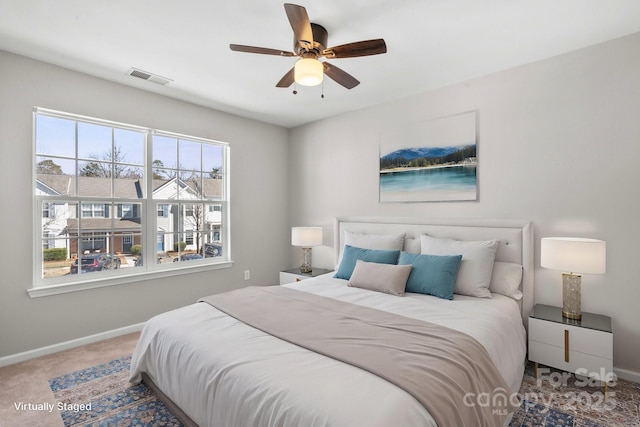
28	382
550	400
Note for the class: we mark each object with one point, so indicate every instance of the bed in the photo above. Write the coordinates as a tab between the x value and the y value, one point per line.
219	371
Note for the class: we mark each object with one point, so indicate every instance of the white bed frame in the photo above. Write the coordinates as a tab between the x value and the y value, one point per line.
515	236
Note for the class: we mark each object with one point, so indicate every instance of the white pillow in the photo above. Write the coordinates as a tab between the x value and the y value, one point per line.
374	241
387	278
412	245
506	278
474	275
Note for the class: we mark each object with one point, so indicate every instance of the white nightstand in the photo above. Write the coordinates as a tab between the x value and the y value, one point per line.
295	275
581	346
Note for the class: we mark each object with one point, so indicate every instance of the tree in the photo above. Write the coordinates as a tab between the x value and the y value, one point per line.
95	169
158	170
196	214
48	167
101	166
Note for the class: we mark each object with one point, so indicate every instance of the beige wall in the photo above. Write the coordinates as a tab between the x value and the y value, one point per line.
559	145
259	219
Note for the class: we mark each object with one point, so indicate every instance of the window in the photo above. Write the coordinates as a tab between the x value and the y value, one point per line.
92	210
93	242
163	210
46	242
105	187
128	210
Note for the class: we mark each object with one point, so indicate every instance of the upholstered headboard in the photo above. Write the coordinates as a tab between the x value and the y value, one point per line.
515	236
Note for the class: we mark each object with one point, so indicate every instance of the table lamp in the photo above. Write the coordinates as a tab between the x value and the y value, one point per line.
575	255
306	237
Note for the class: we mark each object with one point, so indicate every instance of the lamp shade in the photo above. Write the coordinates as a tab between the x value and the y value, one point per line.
308	72
572	254
306	236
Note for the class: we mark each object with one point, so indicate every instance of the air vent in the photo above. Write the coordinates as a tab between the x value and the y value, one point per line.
144	75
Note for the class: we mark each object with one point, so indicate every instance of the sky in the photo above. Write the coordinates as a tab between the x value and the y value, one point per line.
456	130
57	137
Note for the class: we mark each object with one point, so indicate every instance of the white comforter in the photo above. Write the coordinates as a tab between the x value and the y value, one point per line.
224	373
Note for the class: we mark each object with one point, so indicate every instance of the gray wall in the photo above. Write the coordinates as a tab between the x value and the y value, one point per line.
259	155
559	145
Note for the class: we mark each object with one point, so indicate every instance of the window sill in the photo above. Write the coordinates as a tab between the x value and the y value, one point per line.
44	291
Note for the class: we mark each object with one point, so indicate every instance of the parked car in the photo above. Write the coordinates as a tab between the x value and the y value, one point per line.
212	250
96	262
188	257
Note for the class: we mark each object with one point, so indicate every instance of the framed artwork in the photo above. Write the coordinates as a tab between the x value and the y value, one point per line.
431	161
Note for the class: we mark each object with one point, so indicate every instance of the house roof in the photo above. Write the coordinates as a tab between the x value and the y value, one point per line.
65	185
102	224
123	187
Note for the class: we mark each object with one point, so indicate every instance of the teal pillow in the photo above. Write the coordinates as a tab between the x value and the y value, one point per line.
352	254
431	274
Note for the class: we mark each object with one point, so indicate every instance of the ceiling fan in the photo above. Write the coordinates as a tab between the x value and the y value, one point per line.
309	43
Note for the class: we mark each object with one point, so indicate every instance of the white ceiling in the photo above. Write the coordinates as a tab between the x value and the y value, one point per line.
431	43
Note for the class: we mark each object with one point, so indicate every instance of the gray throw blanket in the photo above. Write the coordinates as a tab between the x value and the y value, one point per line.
436	365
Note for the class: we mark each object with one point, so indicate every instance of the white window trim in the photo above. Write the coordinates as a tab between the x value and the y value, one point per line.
138	274
47	290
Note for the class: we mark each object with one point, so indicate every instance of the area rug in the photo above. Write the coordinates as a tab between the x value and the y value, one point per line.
102	396
556	398
550	400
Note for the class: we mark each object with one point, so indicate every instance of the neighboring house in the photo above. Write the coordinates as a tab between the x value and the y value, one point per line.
53	213
116	227
207	218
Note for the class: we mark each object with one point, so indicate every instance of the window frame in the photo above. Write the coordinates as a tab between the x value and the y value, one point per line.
148	212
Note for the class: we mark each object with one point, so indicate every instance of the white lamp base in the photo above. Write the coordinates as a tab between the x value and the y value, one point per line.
571	296
306	261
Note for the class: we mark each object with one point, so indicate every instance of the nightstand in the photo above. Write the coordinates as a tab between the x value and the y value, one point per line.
584	347
295	275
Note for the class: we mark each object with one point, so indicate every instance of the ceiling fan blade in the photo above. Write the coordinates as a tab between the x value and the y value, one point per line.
351	50
300	24
287	79
262	50
340	76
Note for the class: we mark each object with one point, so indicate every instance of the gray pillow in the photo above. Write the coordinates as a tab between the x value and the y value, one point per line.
387	278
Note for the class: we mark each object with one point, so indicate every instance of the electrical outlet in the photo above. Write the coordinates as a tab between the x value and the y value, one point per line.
247	274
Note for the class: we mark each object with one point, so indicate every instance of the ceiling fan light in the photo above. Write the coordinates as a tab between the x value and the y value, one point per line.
308	72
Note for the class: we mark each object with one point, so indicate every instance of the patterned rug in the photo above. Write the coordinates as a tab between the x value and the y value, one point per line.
552	400
559	399
102	396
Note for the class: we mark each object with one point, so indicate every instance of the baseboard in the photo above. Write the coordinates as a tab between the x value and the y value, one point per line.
66	345
626	374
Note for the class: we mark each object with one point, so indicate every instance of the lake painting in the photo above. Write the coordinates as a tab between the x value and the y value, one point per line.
431	161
